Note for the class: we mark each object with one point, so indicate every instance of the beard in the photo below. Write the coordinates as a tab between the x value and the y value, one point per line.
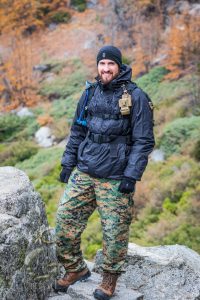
107	77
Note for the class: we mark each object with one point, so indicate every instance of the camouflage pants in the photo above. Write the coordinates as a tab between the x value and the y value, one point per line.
82	195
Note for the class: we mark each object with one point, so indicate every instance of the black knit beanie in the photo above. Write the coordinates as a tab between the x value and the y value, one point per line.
110	52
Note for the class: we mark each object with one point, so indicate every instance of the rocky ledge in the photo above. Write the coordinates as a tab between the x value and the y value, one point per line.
28	263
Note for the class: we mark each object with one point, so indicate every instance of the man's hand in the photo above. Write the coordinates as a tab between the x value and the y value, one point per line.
64	175
127	185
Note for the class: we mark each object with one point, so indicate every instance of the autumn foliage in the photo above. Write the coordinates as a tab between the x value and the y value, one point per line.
138	27
18	85
20	19
44	120
184	44
180	40
147	47
16	81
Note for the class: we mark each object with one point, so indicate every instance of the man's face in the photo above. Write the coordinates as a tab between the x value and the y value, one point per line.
107	70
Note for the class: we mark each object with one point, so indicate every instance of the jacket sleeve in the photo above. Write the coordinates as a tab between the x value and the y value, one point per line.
77	135
142	135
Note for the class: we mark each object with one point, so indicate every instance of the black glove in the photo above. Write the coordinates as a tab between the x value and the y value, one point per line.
127	185
64	175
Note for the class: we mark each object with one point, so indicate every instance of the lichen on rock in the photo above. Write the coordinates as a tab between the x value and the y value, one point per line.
28	260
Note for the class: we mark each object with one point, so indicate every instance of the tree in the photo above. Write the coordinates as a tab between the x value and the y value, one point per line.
148	44
183	43
18	15
20	20
17	84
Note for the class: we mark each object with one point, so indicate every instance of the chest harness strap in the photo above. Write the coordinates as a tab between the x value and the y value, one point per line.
113	139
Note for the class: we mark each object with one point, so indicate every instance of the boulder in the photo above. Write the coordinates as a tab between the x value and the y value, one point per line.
28	260
44	137
43	68
91	4
24	112
157	155
161	272
84	290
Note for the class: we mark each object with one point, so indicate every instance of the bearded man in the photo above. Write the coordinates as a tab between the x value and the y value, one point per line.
107	153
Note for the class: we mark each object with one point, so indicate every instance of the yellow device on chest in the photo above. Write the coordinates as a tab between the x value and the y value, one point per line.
125	103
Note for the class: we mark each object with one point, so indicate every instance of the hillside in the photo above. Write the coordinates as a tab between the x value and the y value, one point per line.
45	68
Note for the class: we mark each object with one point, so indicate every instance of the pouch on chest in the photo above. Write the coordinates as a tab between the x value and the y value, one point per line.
125	104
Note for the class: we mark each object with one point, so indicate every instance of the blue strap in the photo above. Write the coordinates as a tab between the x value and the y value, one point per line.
80	120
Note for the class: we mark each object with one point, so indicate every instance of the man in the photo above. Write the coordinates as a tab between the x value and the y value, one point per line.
107	152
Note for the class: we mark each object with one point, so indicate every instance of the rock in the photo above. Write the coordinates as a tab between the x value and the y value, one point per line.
28	261
42	68
44	137
157	155
162	272
60	297
84	291
89	44
52	26
24	112
92	4
195	9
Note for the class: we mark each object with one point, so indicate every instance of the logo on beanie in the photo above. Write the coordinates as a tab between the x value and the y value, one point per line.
104	54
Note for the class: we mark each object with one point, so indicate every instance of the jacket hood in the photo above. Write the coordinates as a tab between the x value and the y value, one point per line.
123	77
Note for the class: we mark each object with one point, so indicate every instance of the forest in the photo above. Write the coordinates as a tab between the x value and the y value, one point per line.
47	52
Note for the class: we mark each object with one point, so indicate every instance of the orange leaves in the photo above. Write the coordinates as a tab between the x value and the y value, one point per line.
149	41
44	120
18	20
16	78
183	43
20	15
180	43
18	86
17	15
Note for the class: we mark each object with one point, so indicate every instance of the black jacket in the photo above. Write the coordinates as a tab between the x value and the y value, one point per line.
112	159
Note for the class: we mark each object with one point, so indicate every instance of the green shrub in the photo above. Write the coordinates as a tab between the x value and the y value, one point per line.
80	5
56	65
65	86
170	206
60	129
41	164
149	216
64	108
196	151
29	129
17	151
186	234
13	127
60	17
178	132
164	90
126	60
10	125
150	82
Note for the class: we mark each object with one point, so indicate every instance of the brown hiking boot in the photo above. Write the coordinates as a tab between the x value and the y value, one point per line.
107	287
70	278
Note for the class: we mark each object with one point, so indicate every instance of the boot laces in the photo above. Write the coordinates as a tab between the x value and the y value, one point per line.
109	280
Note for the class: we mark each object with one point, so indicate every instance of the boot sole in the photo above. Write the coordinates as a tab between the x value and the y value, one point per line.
60	288
100	295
